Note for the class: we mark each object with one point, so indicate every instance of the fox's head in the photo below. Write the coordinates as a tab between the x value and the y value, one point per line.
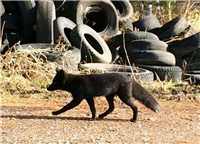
59	80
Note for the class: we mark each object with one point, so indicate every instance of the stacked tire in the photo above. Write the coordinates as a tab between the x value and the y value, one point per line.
187	53
187	50
145	50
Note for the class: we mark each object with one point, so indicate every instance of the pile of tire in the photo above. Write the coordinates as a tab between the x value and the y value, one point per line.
187	53
186	50
145	50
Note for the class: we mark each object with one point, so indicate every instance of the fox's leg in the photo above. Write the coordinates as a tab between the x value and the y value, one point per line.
90	102
70	105
129	101
110	100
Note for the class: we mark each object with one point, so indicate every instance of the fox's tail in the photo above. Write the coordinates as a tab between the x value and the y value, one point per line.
145	97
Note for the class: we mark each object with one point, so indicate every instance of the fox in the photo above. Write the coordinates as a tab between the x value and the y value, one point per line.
88	86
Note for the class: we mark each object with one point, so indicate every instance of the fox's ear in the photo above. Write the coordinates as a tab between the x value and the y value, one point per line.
61	74
58	69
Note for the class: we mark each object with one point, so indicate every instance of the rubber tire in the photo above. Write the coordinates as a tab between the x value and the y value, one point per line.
12	37
118	40
12	21
185	46
127	26
64	8
190	31
193	72
92	11
11	7
93	47
45	16
63	27
143	44
2	9
172	28
195	55
193	66
28	14
125	11
147	23
67	59
195	78
188	63
142	77
149	57
173	73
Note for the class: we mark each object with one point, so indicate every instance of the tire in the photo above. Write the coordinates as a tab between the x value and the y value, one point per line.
185	46
2	9
12	21
194	78
63	27
11	37
173	28
143	44
154	30
28	14
193	72
148	57
141	75
188	63
11	7
118	40
124	9
99	15
189	31
68	59
173	73
193	66
59	4
45	16
93	47
127	26
4	48
195	55
147	23
64	8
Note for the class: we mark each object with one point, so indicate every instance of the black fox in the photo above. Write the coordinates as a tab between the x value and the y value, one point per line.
108	84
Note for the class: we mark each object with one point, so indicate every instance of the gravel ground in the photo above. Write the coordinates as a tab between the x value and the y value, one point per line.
30	122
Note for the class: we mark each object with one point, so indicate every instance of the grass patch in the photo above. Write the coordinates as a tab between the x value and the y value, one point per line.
175	91
25	72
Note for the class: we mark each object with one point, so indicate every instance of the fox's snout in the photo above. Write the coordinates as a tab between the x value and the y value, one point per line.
50	88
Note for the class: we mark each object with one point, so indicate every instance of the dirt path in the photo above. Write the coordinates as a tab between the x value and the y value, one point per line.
28	122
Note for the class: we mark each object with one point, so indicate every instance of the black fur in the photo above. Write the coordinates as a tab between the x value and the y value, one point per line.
108	84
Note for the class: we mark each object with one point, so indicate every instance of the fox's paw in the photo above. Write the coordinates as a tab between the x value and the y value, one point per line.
55	113
133	120
101	116
92	119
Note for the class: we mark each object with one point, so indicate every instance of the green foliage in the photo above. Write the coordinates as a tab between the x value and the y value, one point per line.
170	4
